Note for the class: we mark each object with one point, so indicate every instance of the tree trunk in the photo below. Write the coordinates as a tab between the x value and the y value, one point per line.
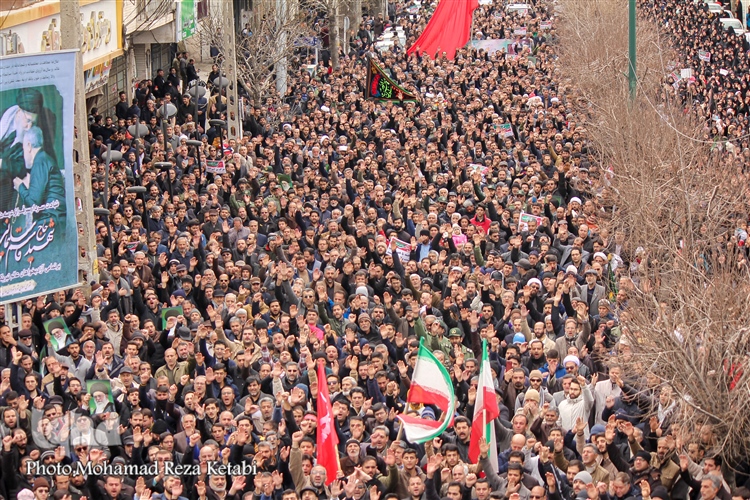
333	33
282	11
357	15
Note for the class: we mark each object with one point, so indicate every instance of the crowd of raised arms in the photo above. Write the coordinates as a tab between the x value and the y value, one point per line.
347	231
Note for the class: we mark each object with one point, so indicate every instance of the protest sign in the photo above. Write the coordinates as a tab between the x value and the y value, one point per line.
38	237
285	181
59	334
101	396
403	249
523	221
506	130
169	312
215	167
492	45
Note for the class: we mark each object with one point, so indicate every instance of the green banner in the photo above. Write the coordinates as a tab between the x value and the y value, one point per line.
38	236
381	87
186	28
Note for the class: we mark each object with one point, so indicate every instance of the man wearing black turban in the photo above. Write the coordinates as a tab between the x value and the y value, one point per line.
29	111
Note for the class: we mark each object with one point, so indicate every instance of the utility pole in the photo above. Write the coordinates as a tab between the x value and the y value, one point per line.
631	50
234	124
70	32
333	32
357	15
282	14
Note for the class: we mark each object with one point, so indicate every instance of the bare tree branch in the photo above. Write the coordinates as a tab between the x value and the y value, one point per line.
683	297
270	37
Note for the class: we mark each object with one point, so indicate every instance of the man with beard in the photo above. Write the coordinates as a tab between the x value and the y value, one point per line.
589	457
578	404
72	393
253	390
41	183
173	369
535	382
513	384
641	469
661	460
463	436
77	364
16	121
317	477
536	359
100	393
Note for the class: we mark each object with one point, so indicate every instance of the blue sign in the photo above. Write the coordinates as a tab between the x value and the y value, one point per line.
307	41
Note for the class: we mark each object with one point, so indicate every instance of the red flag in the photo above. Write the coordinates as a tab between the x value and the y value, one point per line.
448	30
328	440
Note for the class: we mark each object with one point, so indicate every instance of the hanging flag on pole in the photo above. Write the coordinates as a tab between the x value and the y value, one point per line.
485	412
431	385
448	30
381	87
328	454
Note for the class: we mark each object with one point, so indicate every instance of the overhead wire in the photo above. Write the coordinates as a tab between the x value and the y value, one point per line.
5	18
162	9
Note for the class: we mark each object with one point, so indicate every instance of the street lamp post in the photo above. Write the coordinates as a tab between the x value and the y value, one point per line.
631	50
221	125
197	145
223	83
108	156
196	92
104	213
138	130
165	166
166	112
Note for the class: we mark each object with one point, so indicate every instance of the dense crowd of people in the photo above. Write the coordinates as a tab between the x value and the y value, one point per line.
717	90
345	231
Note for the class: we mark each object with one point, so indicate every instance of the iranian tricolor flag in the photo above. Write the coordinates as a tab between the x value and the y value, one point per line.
430	385
485	411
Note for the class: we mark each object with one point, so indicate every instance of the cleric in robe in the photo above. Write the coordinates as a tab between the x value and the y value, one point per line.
28	111
42	182
100	400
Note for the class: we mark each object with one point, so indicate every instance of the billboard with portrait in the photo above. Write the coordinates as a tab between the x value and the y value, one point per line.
38	237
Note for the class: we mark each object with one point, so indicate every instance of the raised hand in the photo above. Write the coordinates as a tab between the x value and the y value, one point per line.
627	429
390	457
684	462
7	443
580	427
484	447
200	488
433	465
551	482
297	437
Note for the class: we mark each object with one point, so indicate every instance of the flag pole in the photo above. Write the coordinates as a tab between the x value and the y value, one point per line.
400	431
